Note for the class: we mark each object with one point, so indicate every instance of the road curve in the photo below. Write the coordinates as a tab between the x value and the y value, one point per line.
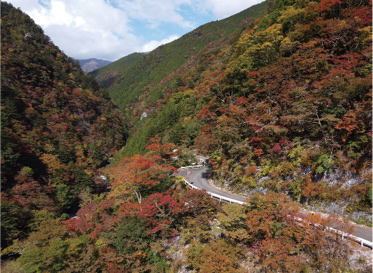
199	177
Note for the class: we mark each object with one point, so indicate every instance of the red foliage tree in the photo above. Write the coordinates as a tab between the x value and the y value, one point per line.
161	209
326	5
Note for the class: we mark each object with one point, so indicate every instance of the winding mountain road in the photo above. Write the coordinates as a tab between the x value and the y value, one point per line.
199	178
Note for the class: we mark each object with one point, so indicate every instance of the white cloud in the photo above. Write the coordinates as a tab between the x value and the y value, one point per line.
57	15
111	29
154	44
84	28
155	12
24	5
225	8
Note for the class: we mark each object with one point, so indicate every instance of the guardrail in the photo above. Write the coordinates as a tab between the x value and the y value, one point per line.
362	241
192	167
220	197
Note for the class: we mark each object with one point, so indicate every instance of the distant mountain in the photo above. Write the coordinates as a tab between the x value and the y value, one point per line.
155	66
92	64
107	75
281	104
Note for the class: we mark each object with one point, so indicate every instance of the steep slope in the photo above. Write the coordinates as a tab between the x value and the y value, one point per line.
159	63
57	126
229	100
92	64
286	107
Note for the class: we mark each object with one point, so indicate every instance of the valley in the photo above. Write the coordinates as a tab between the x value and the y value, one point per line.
277	97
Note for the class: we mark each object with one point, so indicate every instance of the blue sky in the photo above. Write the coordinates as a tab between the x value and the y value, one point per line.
111	29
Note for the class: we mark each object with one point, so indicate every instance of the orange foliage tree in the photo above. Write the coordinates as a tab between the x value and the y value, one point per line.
273	231
160	152
132	175
219	256
282	236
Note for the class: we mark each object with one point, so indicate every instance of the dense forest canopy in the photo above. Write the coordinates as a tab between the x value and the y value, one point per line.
283	104
57	127
277	96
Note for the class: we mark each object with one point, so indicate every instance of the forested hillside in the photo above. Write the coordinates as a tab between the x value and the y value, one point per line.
108	75
291	110
279	98
57	128
283	105
141	81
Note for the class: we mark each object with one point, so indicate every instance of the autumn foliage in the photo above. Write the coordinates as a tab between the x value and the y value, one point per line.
133	175
282	106
57	126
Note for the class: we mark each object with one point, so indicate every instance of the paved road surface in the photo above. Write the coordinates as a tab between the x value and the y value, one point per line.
199	178
364	232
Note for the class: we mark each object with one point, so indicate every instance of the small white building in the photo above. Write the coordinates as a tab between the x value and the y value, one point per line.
144	115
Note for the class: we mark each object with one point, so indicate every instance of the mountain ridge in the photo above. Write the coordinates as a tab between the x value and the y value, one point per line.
108	75
124	90
57	127
91	64
281	106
